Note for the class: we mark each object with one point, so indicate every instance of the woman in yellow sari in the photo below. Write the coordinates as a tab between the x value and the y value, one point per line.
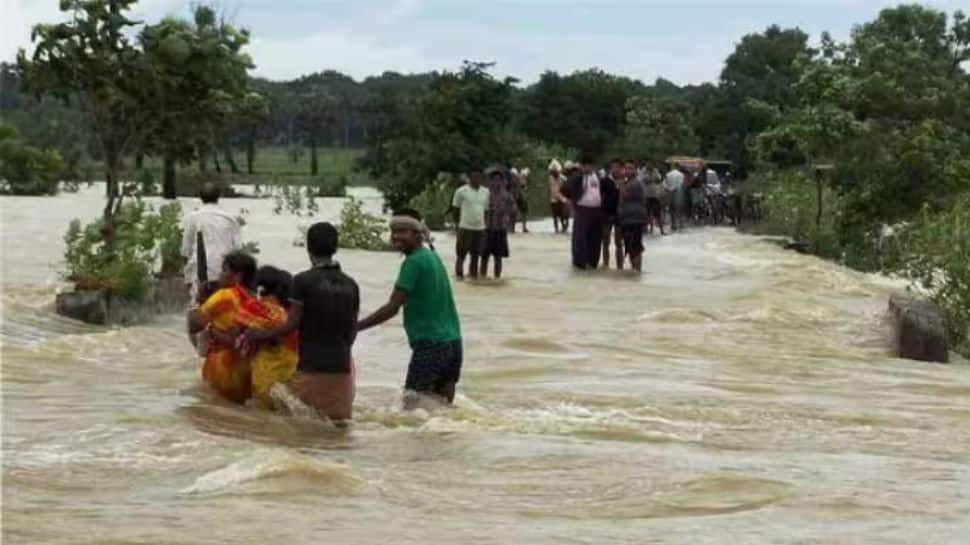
225	370
271	361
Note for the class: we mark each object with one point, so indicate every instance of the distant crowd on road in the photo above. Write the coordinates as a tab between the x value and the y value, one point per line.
610	207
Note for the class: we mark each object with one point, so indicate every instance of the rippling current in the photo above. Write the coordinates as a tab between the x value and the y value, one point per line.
733	393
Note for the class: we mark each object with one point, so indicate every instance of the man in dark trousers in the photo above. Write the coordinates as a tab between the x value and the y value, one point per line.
324	307
610	190
584	190
430	315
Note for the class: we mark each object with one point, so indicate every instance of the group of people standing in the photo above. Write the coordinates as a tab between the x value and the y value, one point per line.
485	214
617	205
266	330
613	207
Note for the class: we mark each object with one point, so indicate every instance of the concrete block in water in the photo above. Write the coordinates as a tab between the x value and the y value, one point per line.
919	329
100	307
89	306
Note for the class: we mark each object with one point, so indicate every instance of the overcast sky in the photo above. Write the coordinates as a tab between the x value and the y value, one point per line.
684	41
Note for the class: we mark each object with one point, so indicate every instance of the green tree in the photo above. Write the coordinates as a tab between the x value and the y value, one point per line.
762	68
200	80
659	127
91	59
252	112
316	114
888	109
26	170
458	123
584	110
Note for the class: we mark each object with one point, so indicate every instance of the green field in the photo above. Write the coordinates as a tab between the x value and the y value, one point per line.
273	164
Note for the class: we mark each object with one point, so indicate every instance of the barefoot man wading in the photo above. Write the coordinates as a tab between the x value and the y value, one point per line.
430	317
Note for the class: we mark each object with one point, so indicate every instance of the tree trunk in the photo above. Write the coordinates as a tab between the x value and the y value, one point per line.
313	154
346	129
293	158
251	154
111	185
215	160
169	189
230	160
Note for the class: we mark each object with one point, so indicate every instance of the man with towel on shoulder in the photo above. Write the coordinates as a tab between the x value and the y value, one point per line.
430	317
221	234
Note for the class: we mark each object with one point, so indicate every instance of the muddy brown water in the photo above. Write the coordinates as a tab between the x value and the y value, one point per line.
733	393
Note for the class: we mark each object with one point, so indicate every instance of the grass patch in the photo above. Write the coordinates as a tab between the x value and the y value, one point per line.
273	165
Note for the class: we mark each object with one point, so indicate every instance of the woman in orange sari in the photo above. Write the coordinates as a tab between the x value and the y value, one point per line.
225	370
271	361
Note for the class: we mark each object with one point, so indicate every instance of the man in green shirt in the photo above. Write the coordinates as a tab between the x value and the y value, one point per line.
470	202
430	317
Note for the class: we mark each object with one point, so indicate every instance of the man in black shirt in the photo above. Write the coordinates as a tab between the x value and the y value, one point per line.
324	306
610	189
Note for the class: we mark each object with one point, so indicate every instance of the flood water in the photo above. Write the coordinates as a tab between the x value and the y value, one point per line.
733	393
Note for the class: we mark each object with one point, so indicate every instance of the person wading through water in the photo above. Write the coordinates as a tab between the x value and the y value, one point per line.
631	217
220	233
498	218
609	187
225	370
430	316
324	306
469	202
557	203
517	181
273	361
655	197
583	189
674	187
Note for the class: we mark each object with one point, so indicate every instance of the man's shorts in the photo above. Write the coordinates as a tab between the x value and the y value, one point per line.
433	365
469	241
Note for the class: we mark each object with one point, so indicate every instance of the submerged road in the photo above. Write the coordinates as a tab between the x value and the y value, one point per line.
733	393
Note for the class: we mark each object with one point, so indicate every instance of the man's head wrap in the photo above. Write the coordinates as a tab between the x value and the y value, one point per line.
414	224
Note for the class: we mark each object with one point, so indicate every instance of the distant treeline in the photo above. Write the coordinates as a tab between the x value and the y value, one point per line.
586	110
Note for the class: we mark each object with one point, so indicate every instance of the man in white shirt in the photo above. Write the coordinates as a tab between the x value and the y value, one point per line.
470	201
674	186
221	234
585	191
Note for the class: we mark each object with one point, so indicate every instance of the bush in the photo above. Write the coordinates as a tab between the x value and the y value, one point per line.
145	180
331	186
434	202
296	200
188	183
165	230
26	170
362	231
790	209
934	252
144	239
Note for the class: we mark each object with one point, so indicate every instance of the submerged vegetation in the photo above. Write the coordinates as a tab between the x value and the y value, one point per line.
147	243
362	231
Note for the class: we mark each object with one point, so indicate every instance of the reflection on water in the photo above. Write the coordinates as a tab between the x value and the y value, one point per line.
734	393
